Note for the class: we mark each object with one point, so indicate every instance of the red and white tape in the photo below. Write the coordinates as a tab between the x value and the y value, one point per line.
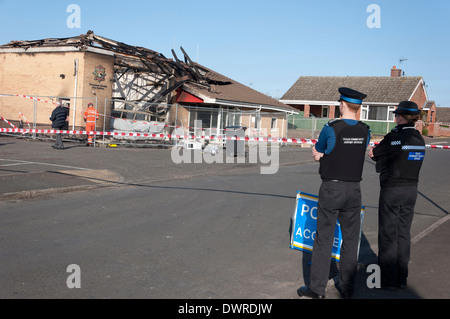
7	121
22	117
169	136
105	115
35	98
175	136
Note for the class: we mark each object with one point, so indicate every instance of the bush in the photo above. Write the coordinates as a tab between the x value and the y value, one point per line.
425	131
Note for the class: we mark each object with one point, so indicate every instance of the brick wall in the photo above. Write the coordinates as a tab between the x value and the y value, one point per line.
51	74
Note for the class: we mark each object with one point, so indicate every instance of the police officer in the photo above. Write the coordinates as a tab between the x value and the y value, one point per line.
399	157
341	151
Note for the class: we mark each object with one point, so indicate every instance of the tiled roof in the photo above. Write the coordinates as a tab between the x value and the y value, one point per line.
378	89
443	114
226	89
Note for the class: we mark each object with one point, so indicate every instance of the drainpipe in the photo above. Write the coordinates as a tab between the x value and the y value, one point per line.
75	94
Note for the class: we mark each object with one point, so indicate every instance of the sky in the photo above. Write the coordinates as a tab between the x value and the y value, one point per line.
264	44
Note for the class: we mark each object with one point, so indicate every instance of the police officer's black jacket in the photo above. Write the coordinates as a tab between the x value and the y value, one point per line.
345	162
399	157
58	117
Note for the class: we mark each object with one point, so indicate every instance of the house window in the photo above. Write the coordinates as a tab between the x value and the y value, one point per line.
273	124
231	117
337	112
208	117
325	111
234	118
377	113
364	112
391	110
256	120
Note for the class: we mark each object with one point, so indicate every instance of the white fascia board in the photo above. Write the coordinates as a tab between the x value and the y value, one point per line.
380	103
55	49
303	102
327	103
417	86
41	49
255	106
100	51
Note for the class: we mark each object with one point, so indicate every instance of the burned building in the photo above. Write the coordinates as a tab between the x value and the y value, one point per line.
133	88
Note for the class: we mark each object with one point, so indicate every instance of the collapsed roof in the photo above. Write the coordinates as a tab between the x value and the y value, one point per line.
210	86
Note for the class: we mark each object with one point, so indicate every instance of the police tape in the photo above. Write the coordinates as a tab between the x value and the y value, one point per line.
2	118
33	98
104	115
176	136
23	118
153	135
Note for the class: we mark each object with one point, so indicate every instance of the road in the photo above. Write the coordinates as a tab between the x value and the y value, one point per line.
215	236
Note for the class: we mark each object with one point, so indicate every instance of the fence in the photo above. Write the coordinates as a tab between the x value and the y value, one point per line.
32	112
309	128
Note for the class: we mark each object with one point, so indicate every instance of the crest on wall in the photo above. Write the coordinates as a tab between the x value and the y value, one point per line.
99	73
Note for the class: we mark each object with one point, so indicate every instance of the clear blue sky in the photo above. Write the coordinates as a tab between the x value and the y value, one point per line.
263	44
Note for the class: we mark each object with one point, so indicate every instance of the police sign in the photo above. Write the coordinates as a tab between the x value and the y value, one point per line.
304	225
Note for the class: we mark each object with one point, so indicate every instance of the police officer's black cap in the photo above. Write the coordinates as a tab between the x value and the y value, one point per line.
351	96
407	108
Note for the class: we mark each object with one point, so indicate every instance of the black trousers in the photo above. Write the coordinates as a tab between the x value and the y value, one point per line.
58	138
395	216
341	200
59	142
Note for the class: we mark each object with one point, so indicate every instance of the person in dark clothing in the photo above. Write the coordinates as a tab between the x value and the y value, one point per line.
399	158
341	150
58	118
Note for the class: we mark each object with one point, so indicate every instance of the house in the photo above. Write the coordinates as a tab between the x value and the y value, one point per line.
443	115
230	103
128	85
317	96
442	125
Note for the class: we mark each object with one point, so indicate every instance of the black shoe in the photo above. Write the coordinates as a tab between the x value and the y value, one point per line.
306	292
344	294
403	284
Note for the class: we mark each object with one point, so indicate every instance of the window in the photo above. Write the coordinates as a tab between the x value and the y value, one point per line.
234	118
208	117
273	124
256	120
364	112
65	102
391	110
337	112
231	117
377	113
325	111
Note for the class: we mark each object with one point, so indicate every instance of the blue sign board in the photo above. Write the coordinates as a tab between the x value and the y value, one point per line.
304	226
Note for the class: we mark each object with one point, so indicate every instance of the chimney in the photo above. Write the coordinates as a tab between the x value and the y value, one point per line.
396	73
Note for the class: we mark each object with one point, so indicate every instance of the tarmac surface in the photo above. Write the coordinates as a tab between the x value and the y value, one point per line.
32	169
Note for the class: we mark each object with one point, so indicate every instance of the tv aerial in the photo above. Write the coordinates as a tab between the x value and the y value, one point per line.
401	60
